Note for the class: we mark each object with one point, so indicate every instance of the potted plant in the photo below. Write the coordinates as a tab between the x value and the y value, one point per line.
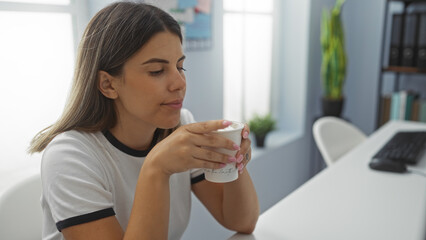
333	67
260	126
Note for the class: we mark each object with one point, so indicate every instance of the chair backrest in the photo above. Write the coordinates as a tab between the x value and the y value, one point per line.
335	136
20	210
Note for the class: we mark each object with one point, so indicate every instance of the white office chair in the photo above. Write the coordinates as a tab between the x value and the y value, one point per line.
20	210
334	137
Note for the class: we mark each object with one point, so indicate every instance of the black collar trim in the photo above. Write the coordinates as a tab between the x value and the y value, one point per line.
133	152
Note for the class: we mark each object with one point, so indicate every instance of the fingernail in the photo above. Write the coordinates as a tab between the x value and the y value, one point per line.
232	159
240	158
240	167
226	123
236	147
222	165
245	135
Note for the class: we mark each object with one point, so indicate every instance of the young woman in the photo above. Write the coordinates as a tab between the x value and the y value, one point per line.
121	161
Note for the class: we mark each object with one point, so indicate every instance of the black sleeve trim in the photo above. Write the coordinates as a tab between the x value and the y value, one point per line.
197	179
85	218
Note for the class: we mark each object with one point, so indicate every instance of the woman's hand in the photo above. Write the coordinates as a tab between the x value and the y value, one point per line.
233	204
244	154
187	148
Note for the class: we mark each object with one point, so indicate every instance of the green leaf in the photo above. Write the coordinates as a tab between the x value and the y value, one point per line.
333	68
261	125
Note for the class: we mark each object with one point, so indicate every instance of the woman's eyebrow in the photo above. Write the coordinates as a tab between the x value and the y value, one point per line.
159	60
181	58
156	60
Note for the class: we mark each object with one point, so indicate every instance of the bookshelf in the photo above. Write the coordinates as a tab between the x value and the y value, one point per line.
397	71
406	70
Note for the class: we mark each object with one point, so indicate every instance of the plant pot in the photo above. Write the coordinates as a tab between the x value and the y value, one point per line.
332	107
260	140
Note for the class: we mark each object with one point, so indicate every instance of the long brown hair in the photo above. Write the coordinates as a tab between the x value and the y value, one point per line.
112	36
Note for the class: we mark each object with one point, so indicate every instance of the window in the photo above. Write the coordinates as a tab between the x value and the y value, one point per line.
56	2
247	46
37	61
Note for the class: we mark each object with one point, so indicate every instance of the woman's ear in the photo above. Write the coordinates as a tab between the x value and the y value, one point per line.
106	85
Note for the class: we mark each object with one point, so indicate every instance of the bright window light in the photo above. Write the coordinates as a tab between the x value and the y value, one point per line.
258	50
37	60
247	46
256	6
55	2
233	5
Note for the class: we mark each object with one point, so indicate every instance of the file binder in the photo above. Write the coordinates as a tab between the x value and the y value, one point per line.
421	50
395	41
409	44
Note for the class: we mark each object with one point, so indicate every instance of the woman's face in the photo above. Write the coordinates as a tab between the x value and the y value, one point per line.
152	87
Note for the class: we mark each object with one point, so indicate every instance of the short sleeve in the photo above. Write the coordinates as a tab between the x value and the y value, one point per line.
74	183
197	175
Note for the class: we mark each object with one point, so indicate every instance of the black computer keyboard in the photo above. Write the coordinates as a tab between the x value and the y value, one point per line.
406	147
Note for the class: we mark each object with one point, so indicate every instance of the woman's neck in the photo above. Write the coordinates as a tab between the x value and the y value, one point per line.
139	138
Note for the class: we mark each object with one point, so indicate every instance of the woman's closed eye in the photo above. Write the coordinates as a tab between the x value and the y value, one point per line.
156	73
159	72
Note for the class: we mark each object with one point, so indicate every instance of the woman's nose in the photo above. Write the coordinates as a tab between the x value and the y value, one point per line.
178	81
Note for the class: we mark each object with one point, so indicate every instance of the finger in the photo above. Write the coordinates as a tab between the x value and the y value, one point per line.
207	127
246	131
240	168
214	141
200	163
243	163
244	147
247	157
212	156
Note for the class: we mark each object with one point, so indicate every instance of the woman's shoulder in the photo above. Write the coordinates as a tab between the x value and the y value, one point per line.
186	117
74	138
72	145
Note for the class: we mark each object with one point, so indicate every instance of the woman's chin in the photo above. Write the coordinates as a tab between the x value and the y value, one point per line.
170	124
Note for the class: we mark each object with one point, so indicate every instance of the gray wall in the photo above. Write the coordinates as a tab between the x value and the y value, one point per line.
363	20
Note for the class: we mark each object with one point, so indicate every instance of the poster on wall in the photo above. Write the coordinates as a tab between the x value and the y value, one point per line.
195	18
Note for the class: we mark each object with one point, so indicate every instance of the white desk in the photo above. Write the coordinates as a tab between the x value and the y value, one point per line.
351	201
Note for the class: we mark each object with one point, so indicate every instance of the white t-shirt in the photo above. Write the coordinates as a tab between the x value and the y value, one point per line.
89	176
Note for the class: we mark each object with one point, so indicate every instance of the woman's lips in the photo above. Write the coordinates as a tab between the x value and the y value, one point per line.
177	104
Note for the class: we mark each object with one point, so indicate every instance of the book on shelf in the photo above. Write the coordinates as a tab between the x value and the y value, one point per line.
395	105
386	107
416	110
421	49
422	111
409	41
402	105
409	100
395	40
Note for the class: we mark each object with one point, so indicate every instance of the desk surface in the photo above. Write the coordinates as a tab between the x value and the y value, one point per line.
351	201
